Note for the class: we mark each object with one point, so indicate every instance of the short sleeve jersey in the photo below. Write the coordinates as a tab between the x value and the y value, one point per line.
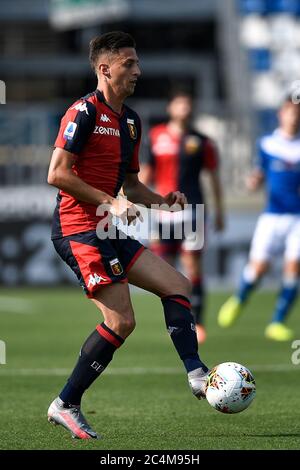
178	161
106	146
279	160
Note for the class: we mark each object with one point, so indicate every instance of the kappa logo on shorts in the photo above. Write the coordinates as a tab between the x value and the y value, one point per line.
116	266
96	279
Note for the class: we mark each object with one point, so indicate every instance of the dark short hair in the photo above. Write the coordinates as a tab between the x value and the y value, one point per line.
178	93
109	42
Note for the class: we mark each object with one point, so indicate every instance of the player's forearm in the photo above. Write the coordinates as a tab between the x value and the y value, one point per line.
70	183
218	202
140	194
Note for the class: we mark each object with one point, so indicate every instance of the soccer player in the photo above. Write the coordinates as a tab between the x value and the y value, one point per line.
96	154
177	157
278	228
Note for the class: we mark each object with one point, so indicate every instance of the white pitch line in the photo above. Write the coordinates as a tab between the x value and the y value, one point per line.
117	371
15	305
5	371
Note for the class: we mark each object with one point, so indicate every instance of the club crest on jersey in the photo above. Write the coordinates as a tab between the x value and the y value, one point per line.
132	128
70	130
192	144
116	267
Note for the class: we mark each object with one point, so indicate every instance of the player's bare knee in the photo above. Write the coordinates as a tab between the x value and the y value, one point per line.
186	286
122	326
128	324
254	271
180	285
125	326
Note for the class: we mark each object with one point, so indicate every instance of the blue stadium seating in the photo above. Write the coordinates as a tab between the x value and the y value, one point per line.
263	7
283	6
260	60
266	121
251	6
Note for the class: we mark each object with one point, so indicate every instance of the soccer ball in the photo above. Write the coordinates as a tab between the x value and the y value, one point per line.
230	387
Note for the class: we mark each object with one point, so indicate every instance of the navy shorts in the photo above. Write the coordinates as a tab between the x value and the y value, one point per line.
98	262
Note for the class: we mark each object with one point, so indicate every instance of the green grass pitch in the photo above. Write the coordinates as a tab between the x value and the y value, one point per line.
142	401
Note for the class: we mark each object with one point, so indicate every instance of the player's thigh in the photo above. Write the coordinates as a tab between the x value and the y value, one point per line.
115	304
164	244
292	249
166	249
154	274
265	241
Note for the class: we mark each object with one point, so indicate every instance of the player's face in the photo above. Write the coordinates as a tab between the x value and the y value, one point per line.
124	71
180	108
289	118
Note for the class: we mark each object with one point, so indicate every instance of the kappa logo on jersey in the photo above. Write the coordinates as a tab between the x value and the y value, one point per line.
116	266
96	279
107	131
132	128
104	118
81	107
70	130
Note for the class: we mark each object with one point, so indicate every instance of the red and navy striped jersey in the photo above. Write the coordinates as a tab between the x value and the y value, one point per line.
178	161
106	145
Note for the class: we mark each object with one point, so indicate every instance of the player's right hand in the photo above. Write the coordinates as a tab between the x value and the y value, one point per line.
254	180
126	211
176	198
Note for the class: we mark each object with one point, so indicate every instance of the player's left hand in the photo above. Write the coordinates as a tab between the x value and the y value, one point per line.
176	197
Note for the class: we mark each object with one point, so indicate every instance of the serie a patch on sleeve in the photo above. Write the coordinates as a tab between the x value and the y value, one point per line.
70	130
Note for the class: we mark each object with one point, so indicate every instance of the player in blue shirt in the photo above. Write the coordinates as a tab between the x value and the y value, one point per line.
278	227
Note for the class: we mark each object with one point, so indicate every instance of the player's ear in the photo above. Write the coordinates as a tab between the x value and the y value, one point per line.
104	70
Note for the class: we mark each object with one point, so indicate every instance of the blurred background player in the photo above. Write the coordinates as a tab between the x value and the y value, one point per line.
178	154
278	228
